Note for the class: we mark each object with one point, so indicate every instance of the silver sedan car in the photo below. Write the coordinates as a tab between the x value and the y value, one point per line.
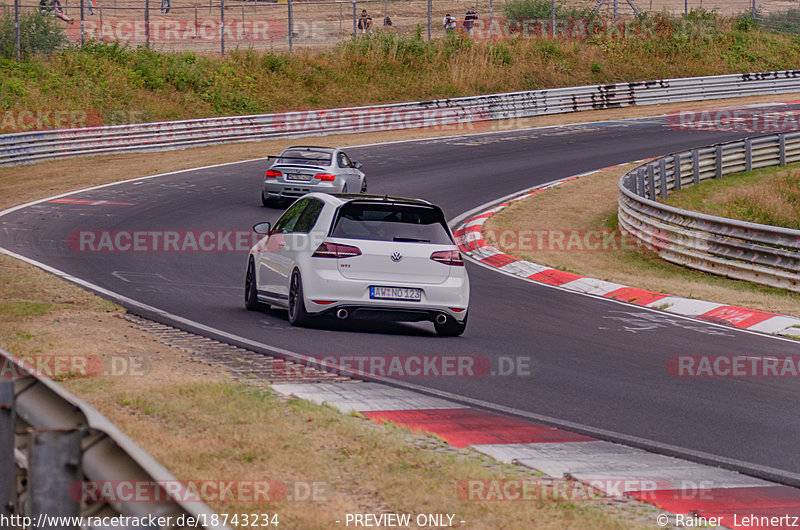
306	169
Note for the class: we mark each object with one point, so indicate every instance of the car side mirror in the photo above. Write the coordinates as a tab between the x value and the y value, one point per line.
262	228
357	165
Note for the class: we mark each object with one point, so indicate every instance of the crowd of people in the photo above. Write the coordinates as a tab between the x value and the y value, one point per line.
364	22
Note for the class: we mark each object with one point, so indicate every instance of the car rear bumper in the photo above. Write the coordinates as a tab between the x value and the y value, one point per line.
328	291
295	190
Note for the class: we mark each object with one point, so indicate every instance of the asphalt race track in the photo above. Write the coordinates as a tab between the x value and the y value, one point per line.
595	362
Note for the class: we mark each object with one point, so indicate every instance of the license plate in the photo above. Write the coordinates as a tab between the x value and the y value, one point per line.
298	176
395	293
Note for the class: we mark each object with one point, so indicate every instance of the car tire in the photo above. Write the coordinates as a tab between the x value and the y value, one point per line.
297	308
364	185
451	328
251	302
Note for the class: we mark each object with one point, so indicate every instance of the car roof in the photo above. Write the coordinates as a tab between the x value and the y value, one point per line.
341	198
312	148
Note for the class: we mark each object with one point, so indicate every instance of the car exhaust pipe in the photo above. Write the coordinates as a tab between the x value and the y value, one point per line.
441	318
342	314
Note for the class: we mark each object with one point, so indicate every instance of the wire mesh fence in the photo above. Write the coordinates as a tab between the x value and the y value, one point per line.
217	26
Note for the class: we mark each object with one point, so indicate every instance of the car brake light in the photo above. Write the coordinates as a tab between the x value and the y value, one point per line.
448	257
334	250
327	177
272	174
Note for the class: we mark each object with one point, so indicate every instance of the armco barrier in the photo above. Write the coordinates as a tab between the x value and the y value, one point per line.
26	147
759	253
50	441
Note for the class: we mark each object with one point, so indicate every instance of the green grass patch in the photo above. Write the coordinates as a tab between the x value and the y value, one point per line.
769	196
114	83
25	309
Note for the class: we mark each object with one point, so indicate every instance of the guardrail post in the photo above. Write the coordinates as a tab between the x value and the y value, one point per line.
748	154
662	173
695	166
782	145
718	162
676	171
640	190
8	471
54	465
651	184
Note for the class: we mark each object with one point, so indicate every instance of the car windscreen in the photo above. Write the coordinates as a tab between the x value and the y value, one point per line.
391	222
316	158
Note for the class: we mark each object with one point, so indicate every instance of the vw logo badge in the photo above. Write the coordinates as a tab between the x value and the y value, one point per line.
396	257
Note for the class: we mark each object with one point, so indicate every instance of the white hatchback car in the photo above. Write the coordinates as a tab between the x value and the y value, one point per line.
360	256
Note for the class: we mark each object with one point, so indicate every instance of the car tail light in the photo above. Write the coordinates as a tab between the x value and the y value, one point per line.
448	257
327	177
272	174
334	250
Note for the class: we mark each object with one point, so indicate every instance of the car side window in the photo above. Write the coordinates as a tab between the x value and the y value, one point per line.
308	217
344	161
290	217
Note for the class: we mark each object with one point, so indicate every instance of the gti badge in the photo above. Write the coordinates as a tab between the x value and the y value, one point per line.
396	257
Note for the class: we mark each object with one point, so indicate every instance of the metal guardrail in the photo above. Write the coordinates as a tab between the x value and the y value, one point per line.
758	253
51	442
27	147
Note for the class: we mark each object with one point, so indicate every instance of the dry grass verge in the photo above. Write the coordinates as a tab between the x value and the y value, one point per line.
204	426
590	203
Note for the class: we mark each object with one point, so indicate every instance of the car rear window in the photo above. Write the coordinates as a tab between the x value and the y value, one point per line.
391	222
317	158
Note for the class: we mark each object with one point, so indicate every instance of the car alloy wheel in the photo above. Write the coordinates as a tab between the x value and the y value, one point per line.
250	289
297	308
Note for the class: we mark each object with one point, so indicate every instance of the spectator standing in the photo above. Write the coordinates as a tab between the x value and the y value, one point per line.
165	5
469	20
449	23
365	22
54	8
